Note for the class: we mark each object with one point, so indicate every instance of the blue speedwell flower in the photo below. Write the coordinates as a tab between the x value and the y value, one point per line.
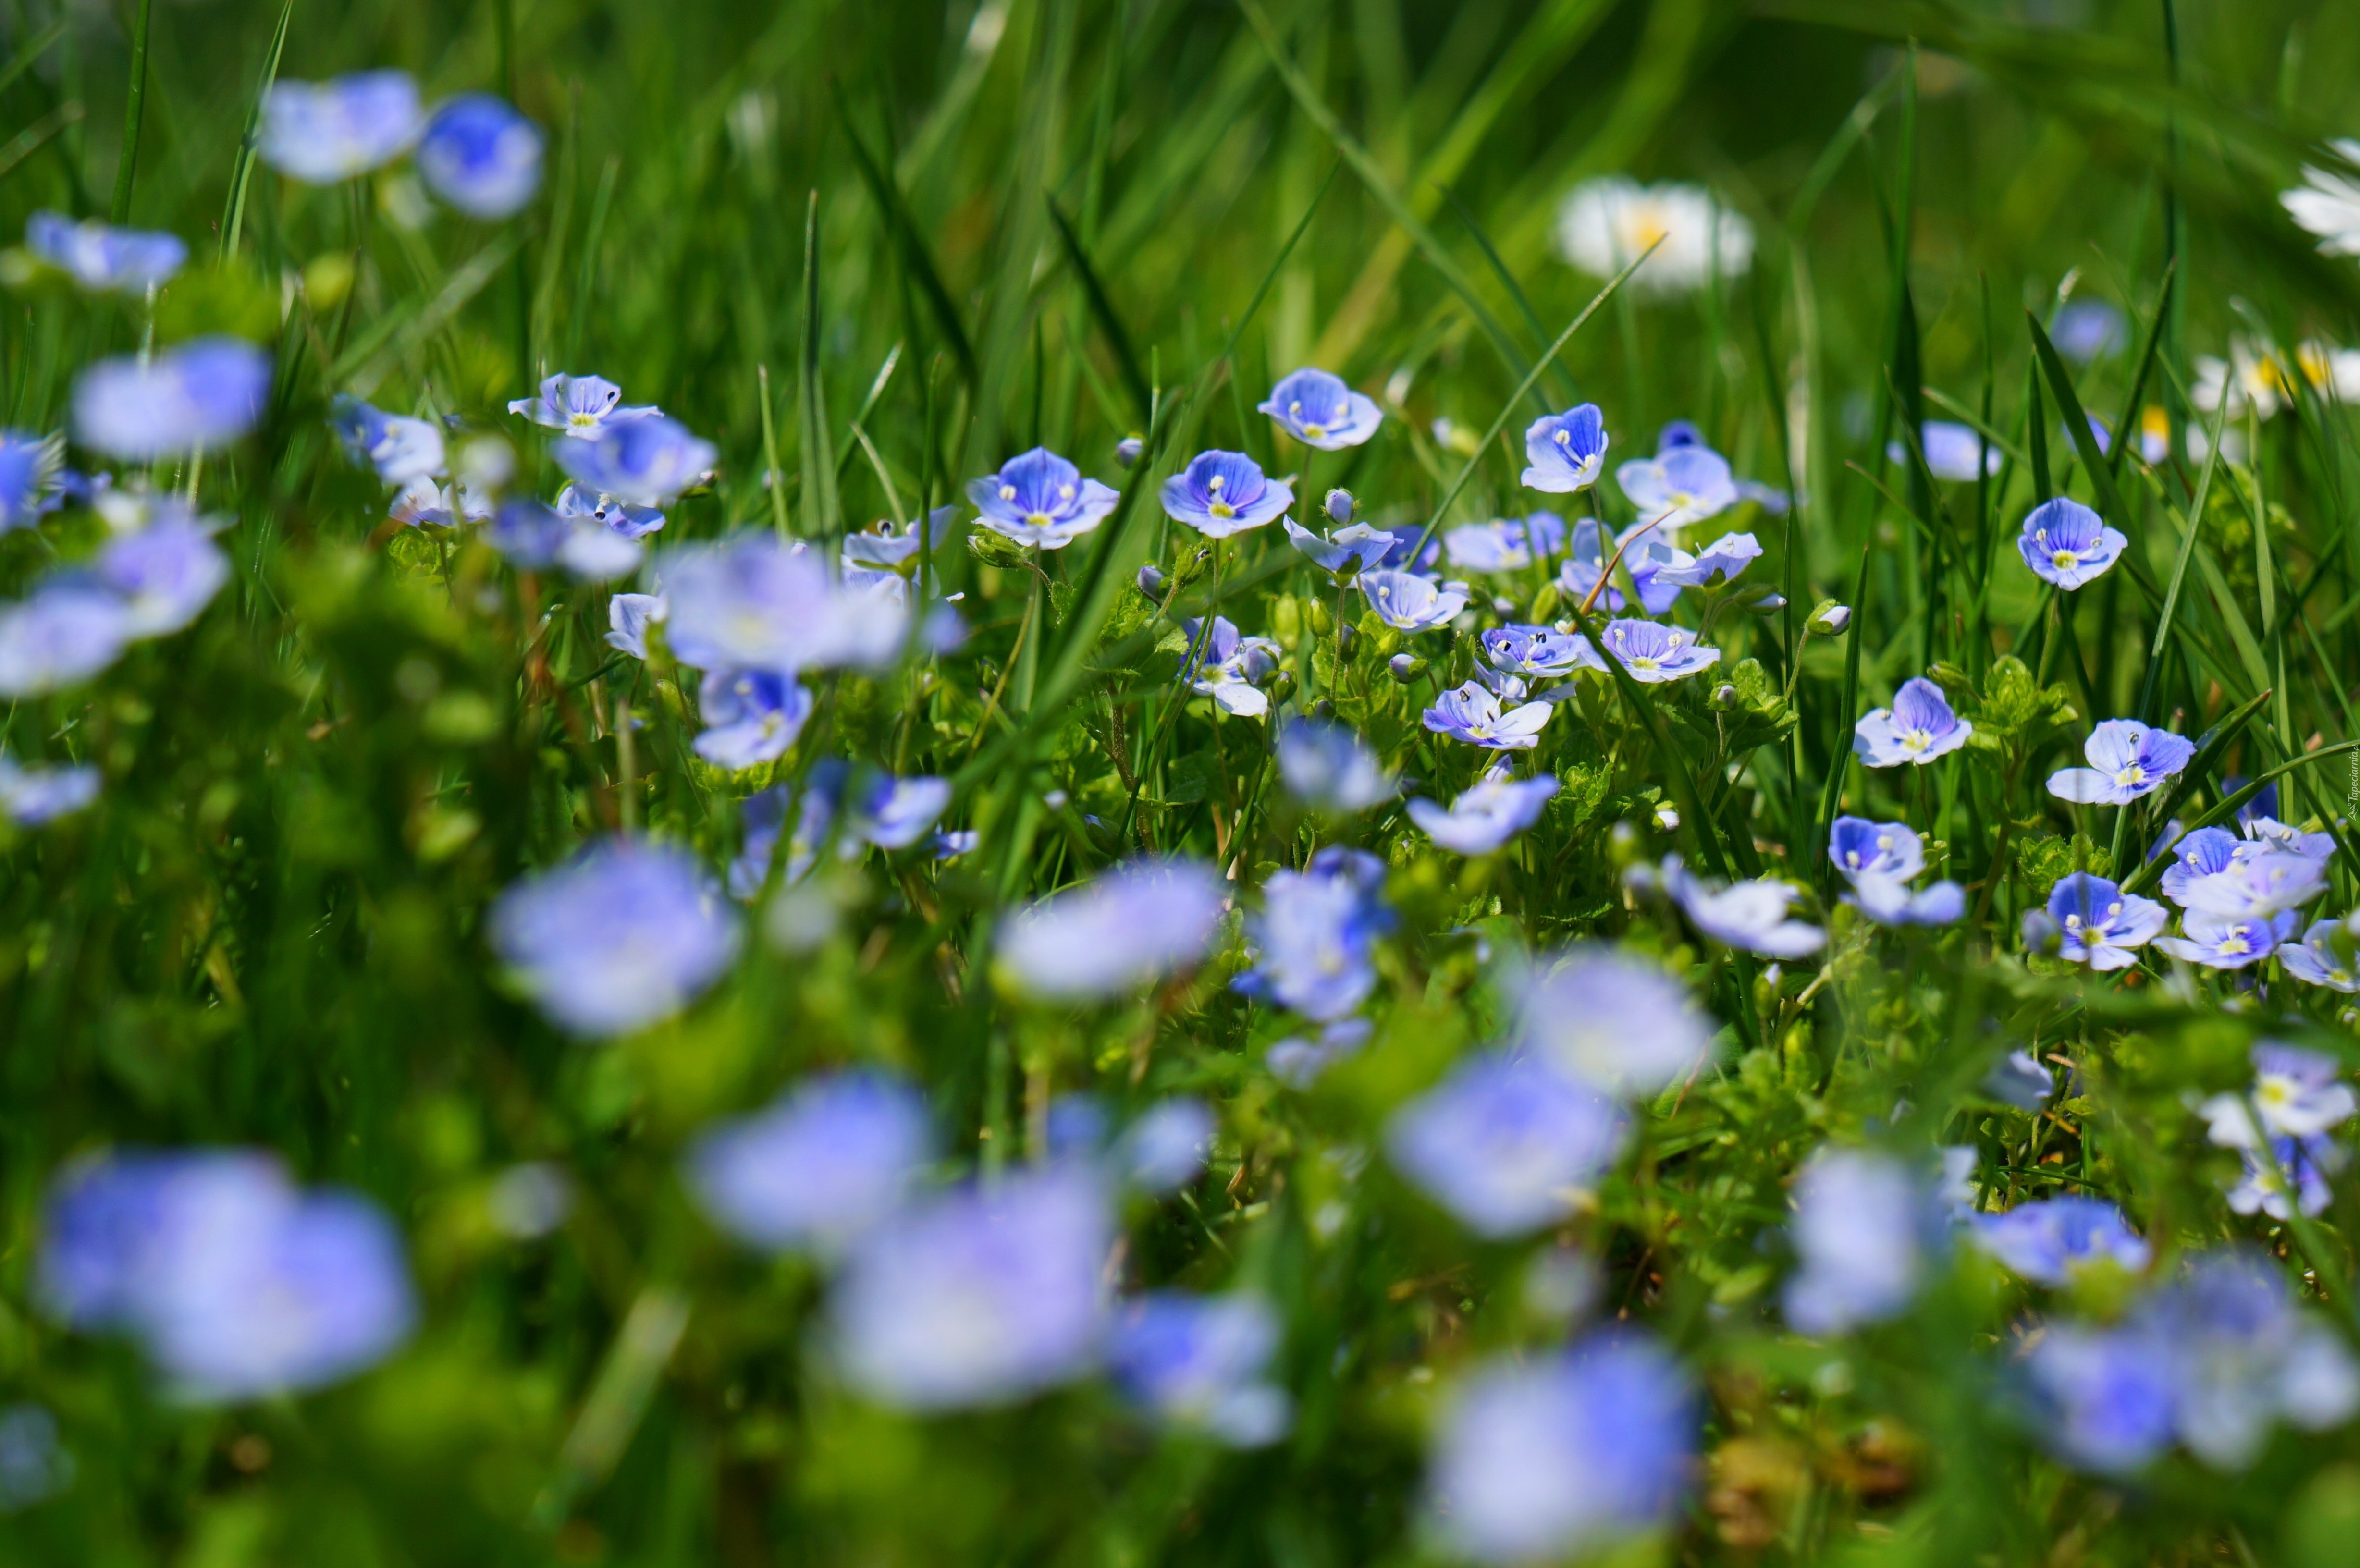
1553	1456
201	395
818	1168
237	1284
1675	488
1505	1143
757	603
1298	1062
2099	924
1724	557
1166	1148
1601	1015
1201	1362
165	574
1864	1237
67	632
751	716
2228	941
1347	551
1584	564
28	473
646	461
2204	853
2066	543
1041	499
1654	653
324	132
2325	957
1751	915
1229	666
1890	902
1919	727
582	407
1313	942
611	513
1320	411
1128	927
894	813
31	797
1224	493
2128	759
1409	603
979	1297
2047	1241
623	935
1471	714
1488	815
534	538
1532	651
2086	329
628	617
399	448
1954	453
481	156
2107	1395
1880	859
2257	887
1504	544
422	504
895	547
1565	450
2298	1094
102	258
1329	769
2302	1168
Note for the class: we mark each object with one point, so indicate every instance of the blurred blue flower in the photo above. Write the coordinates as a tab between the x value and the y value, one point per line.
2085	329
30	797
422	504
1539	651
1726	556
2228	941
624	934
2244	1356
1954	453
67	632
817	1167
2262	829
891	547
1224	493
534	538
400	449
1549	1456
480	156
165	574
1228	665
1200	1362
1585	564
1655	653
582	406
1505	1143
103	257
2099	924
1680	485
894	813
2303	1166
1749	916
1407	602
762	816
2018	1079
952	844
1608	1017
1329	767
755	602
2046	1242
1863	1239
2107	1395
1890	901
204	394
324	132
1919	727
1130	926
1859	847
1039	498
2066	543
1313	943
1320	411
2257	886
1166	1148
978	1296
1349	549
1565	450
2128	759
1298	1062
28	473
1678	434
751	716
2298	1094
1129	450
1504	544
616	516
645	462
33	1465
1471	714
1490	813
2321	959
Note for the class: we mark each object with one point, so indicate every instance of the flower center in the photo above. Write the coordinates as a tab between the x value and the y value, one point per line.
1916	740
1222	508
2064	560
2131	778
2234	945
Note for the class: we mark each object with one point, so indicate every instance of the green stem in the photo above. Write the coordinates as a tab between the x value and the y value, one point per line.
134	109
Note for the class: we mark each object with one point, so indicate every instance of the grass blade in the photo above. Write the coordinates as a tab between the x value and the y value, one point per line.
1103	310
2150	683
917	260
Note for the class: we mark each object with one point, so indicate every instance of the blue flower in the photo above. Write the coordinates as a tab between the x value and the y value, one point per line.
2257	886
1678	434
755	602
1954	453
532	538
2099	924
324	132
1407	602
1346	552
28	473
2228	941
582	406
1675	488
1919	727
2323	957
646	461
1505	1143
67	632
2299	1093
1224	493
1860	847
1751	915
481	156
2303	1165
102	258
1565	450
1472	714
2203	853
1539	651
1041	499
1200	1362
1320	411
165	574
1487	815
751	716
1726	556
33	1466
1329	769
1297	1063
623	935
2243	1355
616	516
422	504
979	1297
2108	1395
1655	653
1166	1148
894	548
30	797
2086	329
816	1169
761	817
399	449
1504	544
1863	1236
2066	543
1549	1456
1131	925
2047	1242
2128	759
204	394
1604	1016
894	813
2018	1079
1340	505
1890	902
1313	943
1228	665
1585	564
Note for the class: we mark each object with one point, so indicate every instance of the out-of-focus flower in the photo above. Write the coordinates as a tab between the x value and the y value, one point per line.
533	538
582	406
891	548
1320	411
2228	941
623	935
1609	223
102	258
1350	550
1550	1456
28	473
165	574
1676	488
751	716
1297	1063
2257	886
1504	544
2068	544
1891	902
1041	499
1224	493
1471	714
2128	759
205	393
1505	1143
400	449
2243	1355
1407	602
481	156
1919	727
1539	651
2099	924
1751	915
762	818
2046	1242
2088	329
1131	925
1166	1148
322	133
754	602
978	1296
816	1169
30	797
628	617
1229	665
2252	380
1864	1238
2320	959
1954	453
611	513
1129	450
1565	450
1200	1362
1860	847
1586	561
2109	1394
1487	815
894	813
2299	1093
529	1200
2018	1079
67	632
1655	653
2302	1166
1600	1015
2328	202
1313	940
1329	769
646	461
1726	557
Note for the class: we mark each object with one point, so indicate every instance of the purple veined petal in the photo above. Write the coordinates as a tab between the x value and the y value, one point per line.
1224	493
1565	450
1319	410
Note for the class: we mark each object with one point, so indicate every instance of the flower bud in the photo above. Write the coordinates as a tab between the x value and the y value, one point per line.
1408	667
1281	687
1768	605
1150	581
1667	817
1830	619
1340	506
1348	638
1724	697
2041	933
1322	623
1323	709
1127	451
